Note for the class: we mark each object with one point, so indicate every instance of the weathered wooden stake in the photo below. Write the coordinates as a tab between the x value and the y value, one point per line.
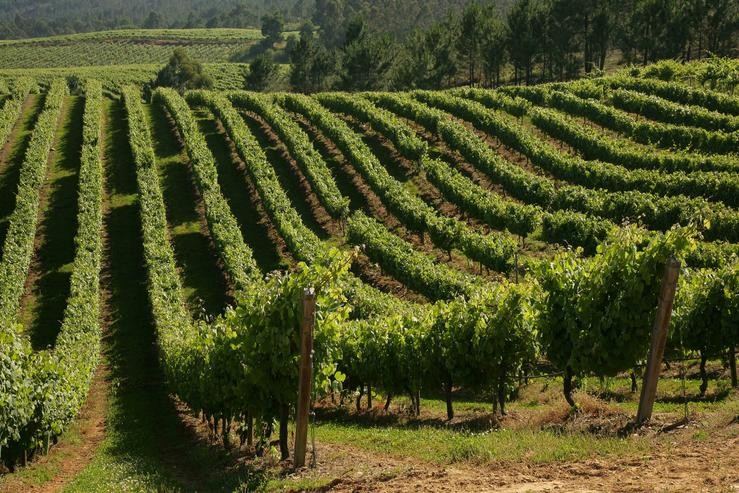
306	376
659	339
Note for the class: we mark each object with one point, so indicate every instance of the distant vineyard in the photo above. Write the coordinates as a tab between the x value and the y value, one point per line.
455	238
125	47
226	76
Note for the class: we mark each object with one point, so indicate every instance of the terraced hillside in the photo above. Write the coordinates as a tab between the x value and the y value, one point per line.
472	224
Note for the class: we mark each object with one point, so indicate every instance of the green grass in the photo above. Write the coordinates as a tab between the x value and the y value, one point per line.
146	447
43	307
304	484
40	473
443	446
204	283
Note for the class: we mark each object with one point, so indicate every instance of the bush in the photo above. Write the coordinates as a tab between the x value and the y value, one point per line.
262	74
182	73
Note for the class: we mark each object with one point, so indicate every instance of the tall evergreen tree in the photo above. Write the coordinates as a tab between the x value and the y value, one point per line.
330	16
523	41
272	26
470	39
368	58
494	54
312	66
427	60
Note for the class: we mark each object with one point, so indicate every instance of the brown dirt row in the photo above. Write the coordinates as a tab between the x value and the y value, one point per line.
298	180
406	171
345	170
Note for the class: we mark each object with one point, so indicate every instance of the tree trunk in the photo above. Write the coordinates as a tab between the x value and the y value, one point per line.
501	395
732	365
704	376
369	397
267	429
416	400
249	430
226	432
634	386
284	419
359	397
387	401
567	387
449	405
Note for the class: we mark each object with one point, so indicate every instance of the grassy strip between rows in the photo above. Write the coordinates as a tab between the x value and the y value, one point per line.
301	241
236	256
48	388
172	321
18	247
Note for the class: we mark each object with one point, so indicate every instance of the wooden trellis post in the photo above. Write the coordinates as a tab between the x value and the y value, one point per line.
659	340
306	376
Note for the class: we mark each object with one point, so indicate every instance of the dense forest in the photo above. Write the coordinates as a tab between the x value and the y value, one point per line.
408	44
482	43
31	18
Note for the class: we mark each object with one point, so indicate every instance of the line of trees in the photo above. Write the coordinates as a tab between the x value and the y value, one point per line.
535	40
